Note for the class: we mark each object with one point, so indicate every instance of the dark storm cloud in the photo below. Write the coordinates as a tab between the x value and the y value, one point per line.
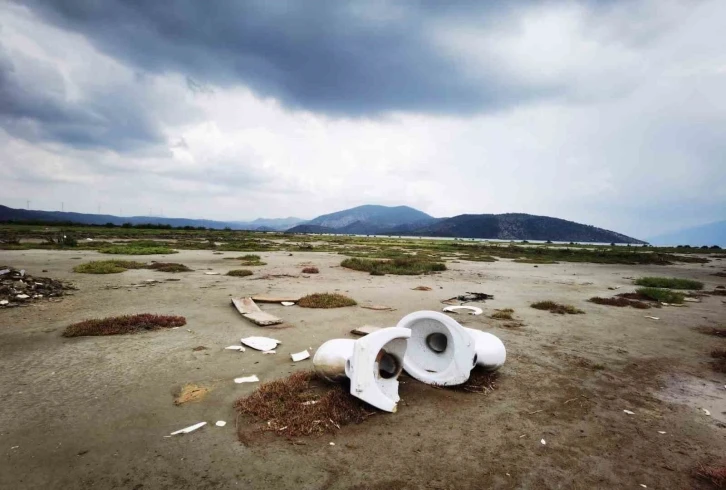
337	57
39	109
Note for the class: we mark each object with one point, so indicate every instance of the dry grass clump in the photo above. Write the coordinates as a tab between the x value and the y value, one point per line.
718	292
123	325
190	393
715	475
503	314
310	270
558	308
168	267
239	273
620	302
715	331
326	300
719	360
302	405
107	266
479	381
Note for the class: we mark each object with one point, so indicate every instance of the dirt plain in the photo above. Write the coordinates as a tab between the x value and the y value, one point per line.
93	412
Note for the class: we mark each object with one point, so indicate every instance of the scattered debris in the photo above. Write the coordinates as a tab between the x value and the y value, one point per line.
211	273
365	330
287	303
17	287
468	297
261	298
300	356
706	412
544	443
189	429
652	317
260	343
247	379
235	347
421	288
198	348
274	276
629	412
474	309
190	393
377	307
691	300
310	270
662	432
249	310
220	423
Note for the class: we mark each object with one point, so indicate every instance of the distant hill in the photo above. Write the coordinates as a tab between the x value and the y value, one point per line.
379	220
271	223
364	220
709	234
8	214
519	226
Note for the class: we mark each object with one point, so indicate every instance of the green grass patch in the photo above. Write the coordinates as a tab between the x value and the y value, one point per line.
668	282
558	308
168	267
108	266
401	266
138	248
326	300
662	295
239	273
123	325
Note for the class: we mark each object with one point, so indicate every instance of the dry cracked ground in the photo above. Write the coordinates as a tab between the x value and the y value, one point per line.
94	412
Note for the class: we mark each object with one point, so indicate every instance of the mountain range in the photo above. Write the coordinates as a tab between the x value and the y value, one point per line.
369	220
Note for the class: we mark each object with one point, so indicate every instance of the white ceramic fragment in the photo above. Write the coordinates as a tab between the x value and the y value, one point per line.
211	273
220	423
4	302
260	343
300	356
652	317
372	363
706	412
22	296
662	432
440	351
474	309
247	379
544	443
239	348
191	428
629	412
288	303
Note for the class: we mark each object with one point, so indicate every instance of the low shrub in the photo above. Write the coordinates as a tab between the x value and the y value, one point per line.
662	295
325	300
558	308
668	283
239	273
310	270
126	324
401	266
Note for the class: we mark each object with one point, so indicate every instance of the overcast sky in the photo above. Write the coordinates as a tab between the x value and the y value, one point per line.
611	113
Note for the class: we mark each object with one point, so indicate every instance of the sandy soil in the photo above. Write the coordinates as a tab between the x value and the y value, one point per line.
93	412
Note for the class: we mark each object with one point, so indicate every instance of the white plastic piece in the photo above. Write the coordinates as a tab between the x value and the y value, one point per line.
474	309
247	379
440	351
22	296
220	423
300	356
629	412
4	302
373	364
211	273
191	428
288	303
662	432
706	412
260	343
544	443
652	317
239	348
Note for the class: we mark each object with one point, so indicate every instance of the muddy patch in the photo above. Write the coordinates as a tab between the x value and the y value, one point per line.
697	393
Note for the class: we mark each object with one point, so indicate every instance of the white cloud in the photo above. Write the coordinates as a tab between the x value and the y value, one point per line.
635	144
